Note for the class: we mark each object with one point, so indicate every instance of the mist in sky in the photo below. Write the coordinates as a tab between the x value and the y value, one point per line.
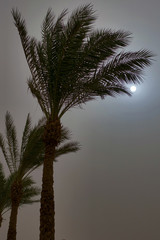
110	189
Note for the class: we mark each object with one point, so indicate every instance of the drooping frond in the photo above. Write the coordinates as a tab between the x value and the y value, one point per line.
5	152
33	153
126	67
65	134
67	148
40	94
13	151
21	25
29	46
30	196
29	191
25	136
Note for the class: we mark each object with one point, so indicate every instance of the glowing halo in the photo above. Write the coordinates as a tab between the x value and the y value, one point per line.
133	88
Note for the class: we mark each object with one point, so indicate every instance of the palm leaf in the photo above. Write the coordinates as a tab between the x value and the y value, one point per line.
25	136
65	134
34	150
67	148
29	191
12	141
127	67
5	154
20	24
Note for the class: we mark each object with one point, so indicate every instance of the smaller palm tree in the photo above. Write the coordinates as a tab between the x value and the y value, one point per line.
28	196
21	163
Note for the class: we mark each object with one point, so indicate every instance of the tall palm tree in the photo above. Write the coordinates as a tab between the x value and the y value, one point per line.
18	189
71	65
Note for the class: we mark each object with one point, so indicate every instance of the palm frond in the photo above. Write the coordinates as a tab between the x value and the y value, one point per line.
29	191
12	141
41	97
29	46
67	148
21	25
111	79
48	24
126	67
5	152
65	134
100	46
51	28
76	30
34	150
25	136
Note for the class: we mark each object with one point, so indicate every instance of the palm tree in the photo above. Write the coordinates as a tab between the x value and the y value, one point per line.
18	188
71	65
29	192
21	164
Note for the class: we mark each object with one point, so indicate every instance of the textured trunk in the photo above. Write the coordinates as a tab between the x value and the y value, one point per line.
47	210
1	219
13	223
16	193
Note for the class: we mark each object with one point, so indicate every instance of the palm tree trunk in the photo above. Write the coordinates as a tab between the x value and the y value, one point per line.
13	223
1	219
47	210
16	194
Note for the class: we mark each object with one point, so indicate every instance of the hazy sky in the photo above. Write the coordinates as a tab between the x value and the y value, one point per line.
110	189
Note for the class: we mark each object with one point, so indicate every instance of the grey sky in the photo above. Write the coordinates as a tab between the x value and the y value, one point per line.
111	188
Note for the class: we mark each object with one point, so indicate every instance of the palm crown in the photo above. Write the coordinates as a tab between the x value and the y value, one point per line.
73	63
30	155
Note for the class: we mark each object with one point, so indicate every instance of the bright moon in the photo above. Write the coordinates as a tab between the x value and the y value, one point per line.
133	89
